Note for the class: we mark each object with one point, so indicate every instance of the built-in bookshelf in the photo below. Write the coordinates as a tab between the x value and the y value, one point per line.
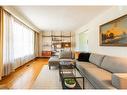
54	42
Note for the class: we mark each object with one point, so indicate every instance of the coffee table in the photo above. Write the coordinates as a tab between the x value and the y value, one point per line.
68	70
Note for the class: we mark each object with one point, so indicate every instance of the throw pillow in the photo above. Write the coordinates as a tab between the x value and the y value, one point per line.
84	57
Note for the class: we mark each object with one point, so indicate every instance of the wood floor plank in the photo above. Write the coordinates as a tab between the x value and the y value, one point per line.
23	77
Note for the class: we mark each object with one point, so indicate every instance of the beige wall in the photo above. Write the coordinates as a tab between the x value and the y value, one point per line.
73	44
93	32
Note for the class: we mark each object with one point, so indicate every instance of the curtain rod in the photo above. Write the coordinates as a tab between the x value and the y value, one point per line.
18	19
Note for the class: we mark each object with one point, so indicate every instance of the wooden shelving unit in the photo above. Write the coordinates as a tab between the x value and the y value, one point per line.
56	42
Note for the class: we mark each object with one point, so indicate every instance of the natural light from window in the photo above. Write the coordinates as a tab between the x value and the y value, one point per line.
23	40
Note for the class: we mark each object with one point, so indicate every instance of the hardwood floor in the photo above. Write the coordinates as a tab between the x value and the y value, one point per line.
24	76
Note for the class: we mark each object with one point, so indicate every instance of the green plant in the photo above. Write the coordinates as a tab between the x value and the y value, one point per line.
70	81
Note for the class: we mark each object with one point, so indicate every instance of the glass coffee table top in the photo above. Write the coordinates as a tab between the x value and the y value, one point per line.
68	70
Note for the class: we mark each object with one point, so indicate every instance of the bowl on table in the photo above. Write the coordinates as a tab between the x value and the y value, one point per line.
70	82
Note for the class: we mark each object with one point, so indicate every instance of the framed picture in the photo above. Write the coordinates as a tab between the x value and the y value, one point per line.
114	33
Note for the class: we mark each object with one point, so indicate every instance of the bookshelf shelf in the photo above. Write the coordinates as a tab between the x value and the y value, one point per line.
55	42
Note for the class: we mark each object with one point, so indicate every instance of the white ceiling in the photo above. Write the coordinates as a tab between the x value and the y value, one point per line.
60	18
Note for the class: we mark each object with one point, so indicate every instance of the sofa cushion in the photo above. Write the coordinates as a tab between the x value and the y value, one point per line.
119	80
82	65
86	64
65	55
84	57
96	59
99	78
114	64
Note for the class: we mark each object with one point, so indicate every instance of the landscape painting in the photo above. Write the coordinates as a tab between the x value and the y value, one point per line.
114	33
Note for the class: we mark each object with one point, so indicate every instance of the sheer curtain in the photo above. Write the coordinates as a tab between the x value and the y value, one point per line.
18	44
8	49
36	47
23	44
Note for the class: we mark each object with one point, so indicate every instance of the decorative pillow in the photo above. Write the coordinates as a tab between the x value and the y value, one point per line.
84	57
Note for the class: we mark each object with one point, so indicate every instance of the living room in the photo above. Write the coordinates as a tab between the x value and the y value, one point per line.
70	47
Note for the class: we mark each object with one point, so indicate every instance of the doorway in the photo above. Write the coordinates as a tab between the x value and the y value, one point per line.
83	41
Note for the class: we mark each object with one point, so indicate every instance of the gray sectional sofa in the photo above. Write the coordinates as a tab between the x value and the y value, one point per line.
63	56
104	72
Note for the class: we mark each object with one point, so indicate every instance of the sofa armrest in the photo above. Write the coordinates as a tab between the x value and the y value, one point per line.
119	80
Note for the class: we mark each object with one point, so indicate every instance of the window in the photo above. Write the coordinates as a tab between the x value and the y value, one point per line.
18	44
23	40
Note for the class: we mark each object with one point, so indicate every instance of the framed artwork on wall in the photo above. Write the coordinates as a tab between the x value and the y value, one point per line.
114	33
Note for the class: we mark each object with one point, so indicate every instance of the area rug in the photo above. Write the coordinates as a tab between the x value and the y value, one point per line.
47	79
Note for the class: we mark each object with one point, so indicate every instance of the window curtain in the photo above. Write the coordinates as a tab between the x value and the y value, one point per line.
23	44
36	44
8	49
1	42
18	44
